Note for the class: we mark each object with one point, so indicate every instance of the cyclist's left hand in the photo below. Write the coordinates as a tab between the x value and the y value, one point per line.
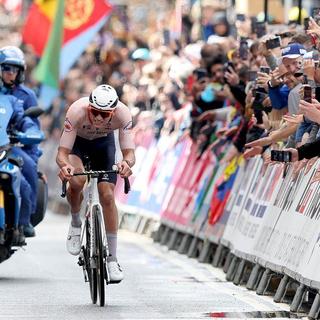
124	169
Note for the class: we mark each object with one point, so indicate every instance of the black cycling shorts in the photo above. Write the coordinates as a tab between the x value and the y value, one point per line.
101	153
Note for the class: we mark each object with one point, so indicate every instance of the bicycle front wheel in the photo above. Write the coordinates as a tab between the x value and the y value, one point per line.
91	272
100	257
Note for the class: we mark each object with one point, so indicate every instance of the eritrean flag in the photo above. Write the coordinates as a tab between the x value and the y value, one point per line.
59	31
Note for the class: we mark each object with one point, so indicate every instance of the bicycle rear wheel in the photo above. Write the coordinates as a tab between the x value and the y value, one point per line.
92	272
100	257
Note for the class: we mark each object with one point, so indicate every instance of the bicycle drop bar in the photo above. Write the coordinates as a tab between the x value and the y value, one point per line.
96	174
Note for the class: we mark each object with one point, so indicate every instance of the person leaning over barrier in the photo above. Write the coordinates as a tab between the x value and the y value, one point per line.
308	150
89	131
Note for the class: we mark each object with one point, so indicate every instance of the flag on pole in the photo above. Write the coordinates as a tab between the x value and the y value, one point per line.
81	20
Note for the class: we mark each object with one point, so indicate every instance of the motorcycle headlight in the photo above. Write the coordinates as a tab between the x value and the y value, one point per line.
4	176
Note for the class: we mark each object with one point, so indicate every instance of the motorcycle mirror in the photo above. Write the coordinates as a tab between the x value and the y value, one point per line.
34	112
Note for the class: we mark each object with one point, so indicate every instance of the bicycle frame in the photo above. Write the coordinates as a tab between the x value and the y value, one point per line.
92	202
95	260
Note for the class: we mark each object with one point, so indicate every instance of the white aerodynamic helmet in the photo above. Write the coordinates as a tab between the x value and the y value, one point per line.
104	98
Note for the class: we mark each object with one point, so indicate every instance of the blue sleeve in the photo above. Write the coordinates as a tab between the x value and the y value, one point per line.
19	121
279	97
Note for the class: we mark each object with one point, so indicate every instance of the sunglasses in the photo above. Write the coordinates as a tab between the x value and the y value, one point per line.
9	68
103	114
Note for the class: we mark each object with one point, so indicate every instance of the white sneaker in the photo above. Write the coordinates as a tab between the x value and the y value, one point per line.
73	240
115	272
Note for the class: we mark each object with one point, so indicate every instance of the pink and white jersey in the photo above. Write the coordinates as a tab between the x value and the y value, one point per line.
79	122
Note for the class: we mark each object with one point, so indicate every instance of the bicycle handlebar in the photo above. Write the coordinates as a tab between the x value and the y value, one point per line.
95	174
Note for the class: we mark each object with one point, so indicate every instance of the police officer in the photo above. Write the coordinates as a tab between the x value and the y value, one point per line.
12	118
12	63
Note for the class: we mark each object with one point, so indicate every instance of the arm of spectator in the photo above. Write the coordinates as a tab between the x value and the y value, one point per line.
293	119
308	70
310	110
270	58
274	136
251	152
313	27
217	114
308	150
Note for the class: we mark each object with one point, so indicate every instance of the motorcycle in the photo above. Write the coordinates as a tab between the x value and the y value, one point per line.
10	199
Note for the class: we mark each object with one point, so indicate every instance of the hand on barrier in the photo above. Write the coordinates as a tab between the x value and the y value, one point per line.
251	152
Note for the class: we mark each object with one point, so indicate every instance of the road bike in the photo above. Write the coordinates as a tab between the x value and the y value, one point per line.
94	245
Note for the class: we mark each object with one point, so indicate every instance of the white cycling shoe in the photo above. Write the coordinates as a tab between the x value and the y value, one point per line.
115	272
73	240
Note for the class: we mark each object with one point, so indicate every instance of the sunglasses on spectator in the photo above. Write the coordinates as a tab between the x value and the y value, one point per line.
9	68
103	114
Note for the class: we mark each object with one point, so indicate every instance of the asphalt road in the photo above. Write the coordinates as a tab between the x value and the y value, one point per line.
44	282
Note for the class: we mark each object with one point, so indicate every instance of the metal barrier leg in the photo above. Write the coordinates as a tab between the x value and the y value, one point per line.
232	268
298	298
264	282
254	275
142	225
157	234
227	262
281	291
165	236
185	243
205	252
239	272
315	309
173	239
218	255
192	252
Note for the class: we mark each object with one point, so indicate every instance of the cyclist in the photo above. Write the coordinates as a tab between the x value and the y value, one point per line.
89	131
13	67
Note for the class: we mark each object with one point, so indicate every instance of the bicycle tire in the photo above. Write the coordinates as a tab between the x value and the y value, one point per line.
91	272
100	259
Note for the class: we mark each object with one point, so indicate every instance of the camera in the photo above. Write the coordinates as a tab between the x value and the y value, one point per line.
273	43
227	66
265	70
260	29
252	75
240	17
281	156
307	93
243	49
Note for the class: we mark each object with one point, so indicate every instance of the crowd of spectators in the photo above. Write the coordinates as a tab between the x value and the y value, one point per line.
245	86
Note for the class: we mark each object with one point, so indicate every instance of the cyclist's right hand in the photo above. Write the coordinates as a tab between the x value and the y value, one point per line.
66	172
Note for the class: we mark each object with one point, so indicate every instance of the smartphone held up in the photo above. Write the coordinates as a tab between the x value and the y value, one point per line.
281	156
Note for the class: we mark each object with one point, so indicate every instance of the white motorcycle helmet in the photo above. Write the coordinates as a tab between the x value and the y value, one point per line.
104	98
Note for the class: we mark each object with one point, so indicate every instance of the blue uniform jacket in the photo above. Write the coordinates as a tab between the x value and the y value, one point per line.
12	115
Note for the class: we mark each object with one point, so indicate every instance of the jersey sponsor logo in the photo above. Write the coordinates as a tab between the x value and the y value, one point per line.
3	110
128	126
67	125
